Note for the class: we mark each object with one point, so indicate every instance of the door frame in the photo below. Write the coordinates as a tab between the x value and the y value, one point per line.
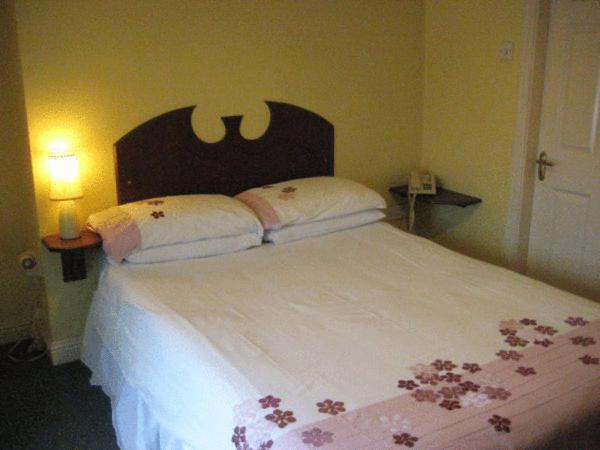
536	21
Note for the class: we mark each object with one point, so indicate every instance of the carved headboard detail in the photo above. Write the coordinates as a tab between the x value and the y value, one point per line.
163	156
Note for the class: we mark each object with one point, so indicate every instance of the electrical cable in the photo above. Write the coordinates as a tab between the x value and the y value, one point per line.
32	350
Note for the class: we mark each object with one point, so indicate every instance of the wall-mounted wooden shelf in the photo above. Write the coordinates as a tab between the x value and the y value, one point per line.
72	252
443	197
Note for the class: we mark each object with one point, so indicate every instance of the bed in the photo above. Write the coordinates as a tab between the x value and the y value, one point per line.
366	338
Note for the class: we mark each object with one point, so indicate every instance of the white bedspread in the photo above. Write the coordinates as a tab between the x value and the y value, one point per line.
342	317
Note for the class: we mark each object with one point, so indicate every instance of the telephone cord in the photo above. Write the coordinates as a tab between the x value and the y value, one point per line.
411	213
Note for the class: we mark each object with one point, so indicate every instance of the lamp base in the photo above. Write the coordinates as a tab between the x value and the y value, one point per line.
67	220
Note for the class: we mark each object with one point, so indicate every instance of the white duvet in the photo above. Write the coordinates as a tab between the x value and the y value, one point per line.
341	316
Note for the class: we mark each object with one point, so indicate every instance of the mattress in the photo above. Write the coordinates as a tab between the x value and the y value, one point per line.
369	338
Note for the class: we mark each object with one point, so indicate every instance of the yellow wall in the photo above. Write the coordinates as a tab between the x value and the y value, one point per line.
95	69
405	83
469	114
18	223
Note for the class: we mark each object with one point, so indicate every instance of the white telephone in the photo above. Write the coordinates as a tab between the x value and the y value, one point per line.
422	182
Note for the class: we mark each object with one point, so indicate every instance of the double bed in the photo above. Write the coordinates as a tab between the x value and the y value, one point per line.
364	338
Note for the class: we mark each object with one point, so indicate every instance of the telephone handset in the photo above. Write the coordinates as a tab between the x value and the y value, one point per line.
422	182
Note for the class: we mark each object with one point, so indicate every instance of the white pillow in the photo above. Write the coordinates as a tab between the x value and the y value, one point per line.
196	249
308	200
295	232
132	227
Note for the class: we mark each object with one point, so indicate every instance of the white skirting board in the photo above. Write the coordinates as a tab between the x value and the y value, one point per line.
64	351
9	335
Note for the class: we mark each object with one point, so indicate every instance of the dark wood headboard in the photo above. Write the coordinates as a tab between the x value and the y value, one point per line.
163	156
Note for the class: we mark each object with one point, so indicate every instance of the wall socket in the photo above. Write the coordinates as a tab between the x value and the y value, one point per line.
506	51
29	262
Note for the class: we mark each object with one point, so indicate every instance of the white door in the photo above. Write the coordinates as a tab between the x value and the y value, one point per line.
564	242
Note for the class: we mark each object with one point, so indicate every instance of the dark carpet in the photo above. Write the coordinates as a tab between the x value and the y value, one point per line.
46	407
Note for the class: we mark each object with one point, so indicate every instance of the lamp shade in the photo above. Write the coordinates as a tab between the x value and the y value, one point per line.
64	177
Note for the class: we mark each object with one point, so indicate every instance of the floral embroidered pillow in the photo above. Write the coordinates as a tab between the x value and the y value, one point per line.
308	200
134	227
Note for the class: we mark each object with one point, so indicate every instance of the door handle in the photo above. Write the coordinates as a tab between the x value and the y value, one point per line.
542	163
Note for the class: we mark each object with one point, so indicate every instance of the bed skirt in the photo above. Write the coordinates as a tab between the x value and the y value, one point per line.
135	424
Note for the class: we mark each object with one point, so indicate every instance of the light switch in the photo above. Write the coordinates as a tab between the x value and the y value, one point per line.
506	51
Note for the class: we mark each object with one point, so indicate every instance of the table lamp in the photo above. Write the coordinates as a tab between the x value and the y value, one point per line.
66	188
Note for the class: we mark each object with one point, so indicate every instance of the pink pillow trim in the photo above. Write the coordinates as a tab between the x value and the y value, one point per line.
262	208
121	238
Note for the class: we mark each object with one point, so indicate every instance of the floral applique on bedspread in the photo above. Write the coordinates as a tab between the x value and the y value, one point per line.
448	403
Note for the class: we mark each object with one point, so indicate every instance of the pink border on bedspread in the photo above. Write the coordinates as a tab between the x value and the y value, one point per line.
519	400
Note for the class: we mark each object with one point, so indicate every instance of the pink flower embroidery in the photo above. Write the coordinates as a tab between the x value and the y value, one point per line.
425	395
501	424
584	341
432	379
589	359
509	354
451	392
546	330
515	341
239	437
525	371
330	407
469	386
156	202
443	365
281	418
452	377
287	193
471	367
317	437
496	393
269	402
157	214
576	321
510	325
543	342
407	384
450	404
255	432
405	439
528	322
239	440
508	332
